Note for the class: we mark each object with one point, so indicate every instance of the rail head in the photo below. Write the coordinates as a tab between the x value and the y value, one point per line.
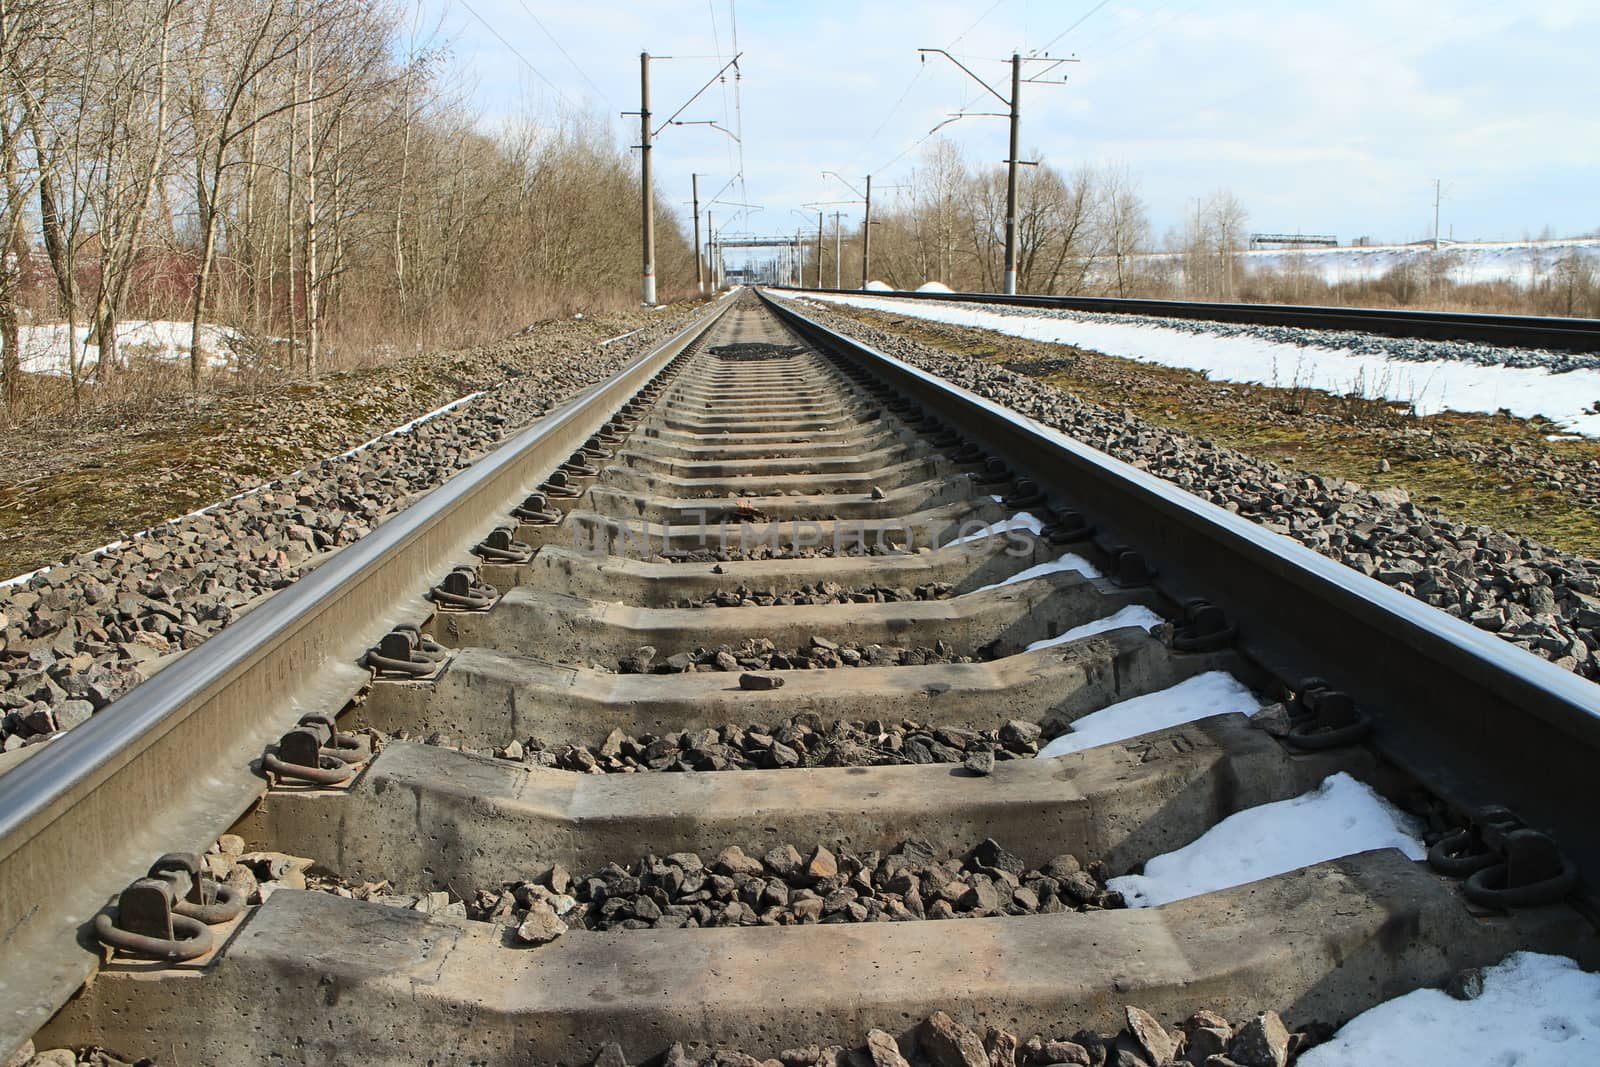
167	767
1476	718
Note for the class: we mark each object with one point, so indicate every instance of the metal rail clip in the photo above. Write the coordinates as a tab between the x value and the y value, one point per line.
462	591
535	510
578	466
558	484
168	914
502	546
1130	569
1025	494
1069	528
316	752
1322	717
405	651
1205	628
1505	864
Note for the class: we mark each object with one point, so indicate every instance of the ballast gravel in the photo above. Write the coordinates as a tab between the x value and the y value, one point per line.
785	886
76	636
802	741
821	593
1529	594
821	653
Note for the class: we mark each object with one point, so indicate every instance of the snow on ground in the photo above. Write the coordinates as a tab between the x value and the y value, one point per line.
876	286
1523	263
1535	1010
1339	818
1020	521
1204	695
1132	615
934	287
44	348
1433	386
1070	561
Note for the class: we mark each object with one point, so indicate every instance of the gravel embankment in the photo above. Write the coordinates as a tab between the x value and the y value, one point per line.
1529	594
79	634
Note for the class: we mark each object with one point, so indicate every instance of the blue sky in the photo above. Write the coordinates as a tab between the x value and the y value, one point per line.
1332	117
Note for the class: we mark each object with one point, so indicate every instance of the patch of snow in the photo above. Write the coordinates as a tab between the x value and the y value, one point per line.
934	287
44	350
1132	615
876	286
1432	386
1204	695
1341	817
1020	521
1524	263
1071	561
1535	1009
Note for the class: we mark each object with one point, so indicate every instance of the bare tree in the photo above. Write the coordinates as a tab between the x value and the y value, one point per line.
22	22
132	150
1124	226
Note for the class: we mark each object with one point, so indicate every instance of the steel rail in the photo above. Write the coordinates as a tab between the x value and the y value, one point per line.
1476	718
167	767
1519	331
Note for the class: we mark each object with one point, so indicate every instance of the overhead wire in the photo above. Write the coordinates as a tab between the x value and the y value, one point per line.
967	97
574	63
1080	21
975	23
738	107
512	49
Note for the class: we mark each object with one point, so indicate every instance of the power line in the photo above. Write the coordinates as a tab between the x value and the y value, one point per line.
872	140
510	48
974	25
738	107
581	72
1081	20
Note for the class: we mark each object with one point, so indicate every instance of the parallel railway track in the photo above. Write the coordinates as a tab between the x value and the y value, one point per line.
827	504
1554	332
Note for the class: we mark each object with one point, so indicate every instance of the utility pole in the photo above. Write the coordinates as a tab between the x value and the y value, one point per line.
1014	113
646	180
820	250
866	237
711	250
838	258
699	263
647	191
1011	177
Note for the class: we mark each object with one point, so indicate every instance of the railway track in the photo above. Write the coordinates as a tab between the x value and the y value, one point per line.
806	617
1554	332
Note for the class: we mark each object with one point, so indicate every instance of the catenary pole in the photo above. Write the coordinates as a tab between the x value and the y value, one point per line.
866	237
819	250
699	262
646	190
1011	177
838	258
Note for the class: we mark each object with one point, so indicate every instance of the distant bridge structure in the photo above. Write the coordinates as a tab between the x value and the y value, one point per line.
1293	240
